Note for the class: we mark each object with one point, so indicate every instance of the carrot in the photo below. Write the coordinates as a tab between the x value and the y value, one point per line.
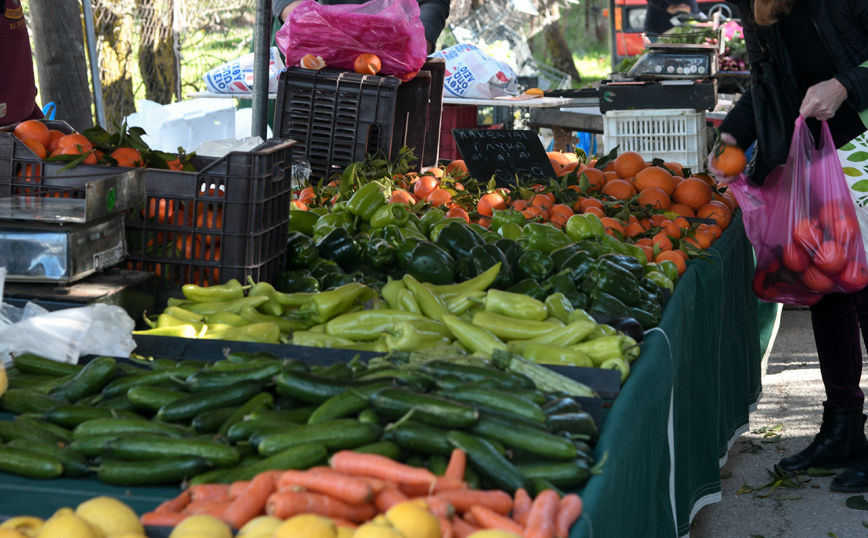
387	498
343	523
462	529
175	505
349	489
213	508
541	518
285	504
375	484
162	519
489	519
445	527
237	488
251	503
457	465
441	483
521	506
209	492
463	499
468	517
376	466
569	510
438	506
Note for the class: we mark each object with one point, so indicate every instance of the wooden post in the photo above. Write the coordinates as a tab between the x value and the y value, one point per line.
60	60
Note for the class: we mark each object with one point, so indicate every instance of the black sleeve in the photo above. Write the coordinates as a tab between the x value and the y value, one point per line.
661	4
433	14
277	7
856	79
740	122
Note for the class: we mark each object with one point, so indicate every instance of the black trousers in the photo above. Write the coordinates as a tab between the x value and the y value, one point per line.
837	320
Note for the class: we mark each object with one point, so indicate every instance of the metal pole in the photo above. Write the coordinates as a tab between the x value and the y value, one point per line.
613	47
261	57
94	63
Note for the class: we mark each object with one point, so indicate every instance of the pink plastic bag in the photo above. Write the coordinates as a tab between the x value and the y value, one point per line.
803	225
391	29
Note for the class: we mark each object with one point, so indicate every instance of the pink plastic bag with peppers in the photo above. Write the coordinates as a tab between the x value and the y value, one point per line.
391	29
803	225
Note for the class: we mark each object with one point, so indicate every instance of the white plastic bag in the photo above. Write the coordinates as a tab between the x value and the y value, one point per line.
236	76
473	74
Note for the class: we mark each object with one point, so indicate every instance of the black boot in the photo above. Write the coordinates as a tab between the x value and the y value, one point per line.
841	440
854	479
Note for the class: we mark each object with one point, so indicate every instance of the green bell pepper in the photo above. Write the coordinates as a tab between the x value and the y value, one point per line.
302	221
301	250
607	277
397	214
405	252
321	211
380	253
578	264
543	237
534	264
616	246
339	207
645	318
500	217
639	254
563	254
670	270
429	219
366	200
661	280
582	227
512	249
491	237
481	259
510	230
458	239
336	280
329	222
296	281
529	287
430	263
320	268
338	245
608	306
627	262
563	284
595	248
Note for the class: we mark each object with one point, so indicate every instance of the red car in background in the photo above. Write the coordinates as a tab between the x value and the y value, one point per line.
630	22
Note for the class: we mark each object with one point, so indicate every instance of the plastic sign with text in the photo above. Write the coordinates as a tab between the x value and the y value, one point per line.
504	155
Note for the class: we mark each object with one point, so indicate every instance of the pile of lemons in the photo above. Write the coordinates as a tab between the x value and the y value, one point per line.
100	517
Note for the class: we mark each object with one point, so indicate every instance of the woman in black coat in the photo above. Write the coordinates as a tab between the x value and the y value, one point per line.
805	58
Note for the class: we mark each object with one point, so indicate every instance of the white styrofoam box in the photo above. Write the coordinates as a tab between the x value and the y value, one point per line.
244	124
674	135
184	124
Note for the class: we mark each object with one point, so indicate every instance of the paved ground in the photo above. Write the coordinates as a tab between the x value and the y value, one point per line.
792	396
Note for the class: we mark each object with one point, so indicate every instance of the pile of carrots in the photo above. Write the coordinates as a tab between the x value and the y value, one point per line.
356	487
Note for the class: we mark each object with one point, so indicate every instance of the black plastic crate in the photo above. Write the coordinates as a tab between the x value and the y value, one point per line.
226	220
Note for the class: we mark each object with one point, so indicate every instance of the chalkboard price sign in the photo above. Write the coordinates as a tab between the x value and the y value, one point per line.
504	155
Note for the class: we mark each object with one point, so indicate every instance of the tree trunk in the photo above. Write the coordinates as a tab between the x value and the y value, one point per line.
60	60
114	26
156	53
558	49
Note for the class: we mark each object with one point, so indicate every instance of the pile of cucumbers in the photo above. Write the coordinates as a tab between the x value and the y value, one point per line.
146	422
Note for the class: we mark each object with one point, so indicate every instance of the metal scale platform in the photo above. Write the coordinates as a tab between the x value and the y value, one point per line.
60	247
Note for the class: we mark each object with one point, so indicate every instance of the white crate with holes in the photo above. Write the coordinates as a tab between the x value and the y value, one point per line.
674	135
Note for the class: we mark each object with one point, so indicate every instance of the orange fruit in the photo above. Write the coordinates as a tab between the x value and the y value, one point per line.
654	176
561	209
654	197
683	210
649	251
645	241
705	239
73	140
718	211
692	242
489	202
618	189
310	61
692	192
612	224
456	169
534	211
518	205
658	219
424	186
634	230
541	200
294	205
55	137
33	130
595	178
730	160
671	229
610	175
400	196
459	213
594	211
646	223
677	168
90	159
682	223
675	258
708	178
436	172
591	202
367	64
131	154
36	147
569	167
715	231
628	164
439	197
662	241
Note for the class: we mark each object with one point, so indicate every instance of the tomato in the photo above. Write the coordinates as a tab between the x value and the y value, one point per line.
844	230
807	235
814	279
832	211
854	277
795	258
830	257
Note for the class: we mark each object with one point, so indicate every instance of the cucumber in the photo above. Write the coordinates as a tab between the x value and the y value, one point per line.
154	447
10	430
350	402
338	370
74	464
163	364
263	400
29	464
210	421
415	460
91	379
91	446
568	474
382	448
63	434
20	401
51	383
298	415
536	396
316	389
508	417
298	457
173	470
214	379
123	426
426	408
530	440
415	379
581	423
120	387
244	357
90	401
28	381
153	398
70	416
186	408
259	434
488	462
475	373
561	405
283	403
500	400
449	381
119	403
335	435
538	485
484	384
421	438
242	431
29	363
437	464
369	416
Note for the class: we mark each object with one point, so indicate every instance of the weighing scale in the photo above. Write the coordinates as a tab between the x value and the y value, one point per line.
60	245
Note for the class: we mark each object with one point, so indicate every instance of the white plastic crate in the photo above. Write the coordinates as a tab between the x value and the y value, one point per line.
674	135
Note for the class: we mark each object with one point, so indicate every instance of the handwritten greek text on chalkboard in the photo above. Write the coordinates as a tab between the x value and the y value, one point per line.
503	154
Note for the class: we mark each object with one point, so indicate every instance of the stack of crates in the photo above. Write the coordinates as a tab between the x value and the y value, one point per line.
674	135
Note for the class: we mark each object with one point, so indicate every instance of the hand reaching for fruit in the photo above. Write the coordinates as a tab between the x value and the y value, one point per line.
726	160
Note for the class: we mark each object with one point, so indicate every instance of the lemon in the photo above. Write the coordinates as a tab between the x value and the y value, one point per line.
4	381
11	533
202	524
65	511
413	519
345	532
306	526
493	533
380	520
130	535
26	525
259	527
110	516
67	526
370	530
